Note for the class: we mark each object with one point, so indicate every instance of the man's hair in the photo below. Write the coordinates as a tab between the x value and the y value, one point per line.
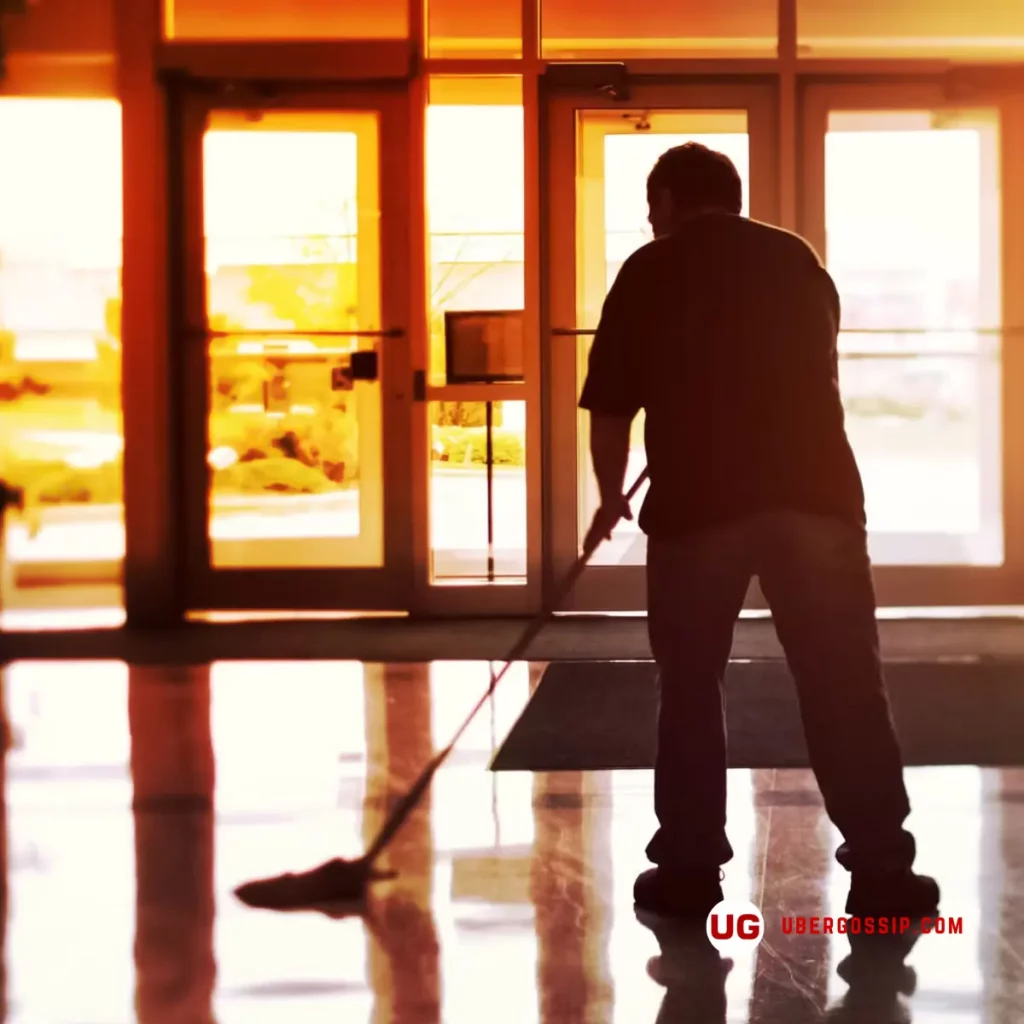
697	178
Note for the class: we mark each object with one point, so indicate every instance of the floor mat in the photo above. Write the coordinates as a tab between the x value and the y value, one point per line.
588	715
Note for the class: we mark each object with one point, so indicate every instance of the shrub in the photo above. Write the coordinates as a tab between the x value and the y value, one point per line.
466	414
56	483
325	443
281	475
453	444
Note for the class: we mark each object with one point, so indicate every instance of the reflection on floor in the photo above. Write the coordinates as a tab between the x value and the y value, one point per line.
513	898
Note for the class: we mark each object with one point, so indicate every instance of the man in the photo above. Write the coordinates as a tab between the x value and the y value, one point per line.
724	331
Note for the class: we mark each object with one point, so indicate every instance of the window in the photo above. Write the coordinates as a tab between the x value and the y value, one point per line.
911	28
466	28
61	436
475	221
271	19
652	28
912	231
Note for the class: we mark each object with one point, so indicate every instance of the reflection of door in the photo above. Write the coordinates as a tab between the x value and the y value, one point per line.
601	152
294	345
903	200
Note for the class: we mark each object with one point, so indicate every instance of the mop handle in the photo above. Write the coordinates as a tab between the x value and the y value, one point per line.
402	809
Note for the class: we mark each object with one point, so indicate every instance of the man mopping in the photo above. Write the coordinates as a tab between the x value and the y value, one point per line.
724	331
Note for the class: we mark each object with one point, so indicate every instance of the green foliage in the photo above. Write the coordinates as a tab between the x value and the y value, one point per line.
276	474
884	405
241	382
461	446
466	414
56	483
322	451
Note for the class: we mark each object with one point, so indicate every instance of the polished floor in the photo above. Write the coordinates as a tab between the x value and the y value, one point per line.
138	797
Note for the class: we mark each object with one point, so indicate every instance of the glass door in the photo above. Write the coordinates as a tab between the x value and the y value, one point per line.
600	153
903	199
294	348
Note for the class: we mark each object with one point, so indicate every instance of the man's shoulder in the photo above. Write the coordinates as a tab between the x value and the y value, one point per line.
782	240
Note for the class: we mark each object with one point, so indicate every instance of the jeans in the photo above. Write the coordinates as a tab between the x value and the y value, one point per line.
816	576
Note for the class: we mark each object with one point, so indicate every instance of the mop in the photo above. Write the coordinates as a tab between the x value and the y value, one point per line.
341	885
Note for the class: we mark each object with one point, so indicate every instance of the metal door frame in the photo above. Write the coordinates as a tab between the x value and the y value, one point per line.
389	587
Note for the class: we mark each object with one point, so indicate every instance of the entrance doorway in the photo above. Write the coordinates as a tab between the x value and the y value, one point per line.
295	352
899	191
601	152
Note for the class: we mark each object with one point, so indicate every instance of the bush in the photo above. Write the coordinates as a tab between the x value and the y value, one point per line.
453	444
56	483
281	475
466	414
325	443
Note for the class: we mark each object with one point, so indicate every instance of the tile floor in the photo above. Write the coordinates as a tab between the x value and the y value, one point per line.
513	902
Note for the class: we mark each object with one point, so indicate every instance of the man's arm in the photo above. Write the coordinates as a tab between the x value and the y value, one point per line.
613	391
609	450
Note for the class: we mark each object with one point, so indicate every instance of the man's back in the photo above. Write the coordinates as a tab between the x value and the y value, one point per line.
725	333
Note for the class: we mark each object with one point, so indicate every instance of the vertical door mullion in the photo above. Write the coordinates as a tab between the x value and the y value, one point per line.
191	347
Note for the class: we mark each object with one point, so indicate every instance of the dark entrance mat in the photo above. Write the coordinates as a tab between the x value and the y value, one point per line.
589	715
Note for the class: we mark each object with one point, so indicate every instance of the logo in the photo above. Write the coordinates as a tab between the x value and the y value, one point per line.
735	925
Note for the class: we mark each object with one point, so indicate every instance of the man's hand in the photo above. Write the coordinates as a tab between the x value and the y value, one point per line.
606	518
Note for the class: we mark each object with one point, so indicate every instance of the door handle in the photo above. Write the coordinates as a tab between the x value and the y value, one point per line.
572	332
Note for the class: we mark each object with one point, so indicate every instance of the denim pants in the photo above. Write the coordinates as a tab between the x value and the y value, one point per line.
816	576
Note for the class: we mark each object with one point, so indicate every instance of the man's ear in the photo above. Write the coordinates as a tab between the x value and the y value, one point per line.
665	203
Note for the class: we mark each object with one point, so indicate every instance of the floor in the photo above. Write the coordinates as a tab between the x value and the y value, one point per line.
91	631
513	900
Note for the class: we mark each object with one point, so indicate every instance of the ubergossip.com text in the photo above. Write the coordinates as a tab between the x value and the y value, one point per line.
797	925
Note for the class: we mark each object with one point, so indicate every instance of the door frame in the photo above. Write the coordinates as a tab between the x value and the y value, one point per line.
614	588
389	587
944	585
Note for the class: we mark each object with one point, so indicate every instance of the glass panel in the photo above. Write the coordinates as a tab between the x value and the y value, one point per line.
614	164
466	28
910	28
652	28
273	20
919	353
478	514
475	214
61	437
291	221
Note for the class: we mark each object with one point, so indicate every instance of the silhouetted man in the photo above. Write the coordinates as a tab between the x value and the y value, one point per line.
724	331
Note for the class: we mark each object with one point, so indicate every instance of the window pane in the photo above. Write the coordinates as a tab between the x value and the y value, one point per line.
60	360
467	28
651	28
271	19
475	214
912	28
919	356
478	517
290	202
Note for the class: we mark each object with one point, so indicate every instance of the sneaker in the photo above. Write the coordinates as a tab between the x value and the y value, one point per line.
691	894
892	894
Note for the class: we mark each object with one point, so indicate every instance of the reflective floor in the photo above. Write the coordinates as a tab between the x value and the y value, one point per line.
138	797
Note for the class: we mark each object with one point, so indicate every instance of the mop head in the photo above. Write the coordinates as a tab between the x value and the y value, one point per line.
337	888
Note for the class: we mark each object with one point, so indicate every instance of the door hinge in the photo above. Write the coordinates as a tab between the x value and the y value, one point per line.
419	386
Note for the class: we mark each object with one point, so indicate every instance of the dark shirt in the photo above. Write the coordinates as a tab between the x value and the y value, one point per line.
725	335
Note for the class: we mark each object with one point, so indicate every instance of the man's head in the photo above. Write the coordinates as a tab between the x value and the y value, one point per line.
688	180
